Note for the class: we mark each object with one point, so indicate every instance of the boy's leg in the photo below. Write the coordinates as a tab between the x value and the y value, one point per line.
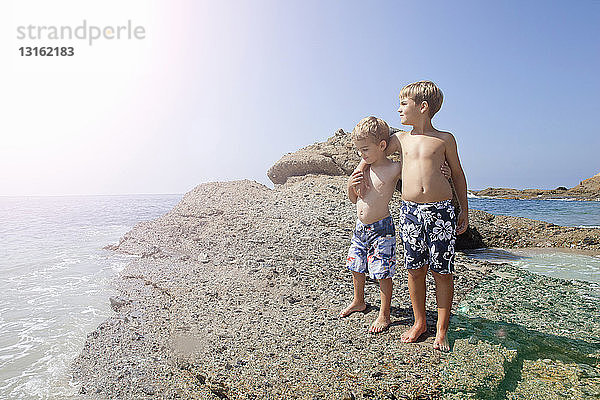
383	319
416	289
444	293
358	302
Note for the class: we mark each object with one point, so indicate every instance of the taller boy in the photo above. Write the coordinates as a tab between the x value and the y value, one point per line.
428	220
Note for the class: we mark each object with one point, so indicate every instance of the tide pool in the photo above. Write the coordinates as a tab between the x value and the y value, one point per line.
557	263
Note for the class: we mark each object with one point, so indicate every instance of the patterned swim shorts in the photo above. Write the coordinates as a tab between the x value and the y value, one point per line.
429	235
373	249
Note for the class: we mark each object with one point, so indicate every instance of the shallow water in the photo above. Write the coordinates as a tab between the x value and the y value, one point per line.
55	282
557	263
544	319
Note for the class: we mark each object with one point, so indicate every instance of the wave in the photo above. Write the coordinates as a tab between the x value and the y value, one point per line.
564	199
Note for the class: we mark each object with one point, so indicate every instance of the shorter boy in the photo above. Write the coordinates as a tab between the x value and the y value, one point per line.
373	247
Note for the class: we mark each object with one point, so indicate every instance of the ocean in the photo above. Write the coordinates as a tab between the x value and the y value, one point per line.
55	276
559	212
55	281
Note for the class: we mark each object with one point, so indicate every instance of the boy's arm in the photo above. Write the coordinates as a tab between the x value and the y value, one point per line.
460	183
393	145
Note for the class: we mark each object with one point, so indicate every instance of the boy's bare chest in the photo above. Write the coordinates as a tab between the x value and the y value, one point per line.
422	147
381	182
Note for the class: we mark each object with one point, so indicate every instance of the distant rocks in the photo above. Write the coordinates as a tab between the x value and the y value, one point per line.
590	185
334	157
588	189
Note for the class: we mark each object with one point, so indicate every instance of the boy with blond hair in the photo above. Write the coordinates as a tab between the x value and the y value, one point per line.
429	221
373	247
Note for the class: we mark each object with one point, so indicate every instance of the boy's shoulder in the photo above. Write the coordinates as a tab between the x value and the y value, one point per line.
400	134
440	134
445	136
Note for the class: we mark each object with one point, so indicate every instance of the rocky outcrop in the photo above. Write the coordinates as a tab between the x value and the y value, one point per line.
488	230
336	156
590	185
588	189
235	294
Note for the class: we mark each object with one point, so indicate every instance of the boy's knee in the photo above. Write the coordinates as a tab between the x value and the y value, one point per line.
418	272
442	277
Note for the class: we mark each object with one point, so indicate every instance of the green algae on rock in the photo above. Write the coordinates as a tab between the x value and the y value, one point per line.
545	323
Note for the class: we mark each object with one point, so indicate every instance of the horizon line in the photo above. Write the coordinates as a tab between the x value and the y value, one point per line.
91	195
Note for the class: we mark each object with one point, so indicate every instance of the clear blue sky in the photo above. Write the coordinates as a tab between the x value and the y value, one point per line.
221	90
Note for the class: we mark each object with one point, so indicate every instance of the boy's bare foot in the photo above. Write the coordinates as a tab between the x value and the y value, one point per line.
411	335
352	308
379	325
441	342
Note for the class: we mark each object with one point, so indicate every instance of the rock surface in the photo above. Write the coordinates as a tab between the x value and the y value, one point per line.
235	294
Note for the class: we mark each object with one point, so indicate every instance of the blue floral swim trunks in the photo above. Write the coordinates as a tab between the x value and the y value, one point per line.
429	235
373	249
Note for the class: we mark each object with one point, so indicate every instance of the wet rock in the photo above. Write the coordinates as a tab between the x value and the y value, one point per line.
553	379
475	368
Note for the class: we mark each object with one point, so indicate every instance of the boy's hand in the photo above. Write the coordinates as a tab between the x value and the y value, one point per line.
356	181
462	223
445	168
363	166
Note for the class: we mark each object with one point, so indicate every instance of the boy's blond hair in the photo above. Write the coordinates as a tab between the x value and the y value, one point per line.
424	91
371	128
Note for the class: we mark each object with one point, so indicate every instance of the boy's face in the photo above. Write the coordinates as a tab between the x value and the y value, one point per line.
369	150
409	112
